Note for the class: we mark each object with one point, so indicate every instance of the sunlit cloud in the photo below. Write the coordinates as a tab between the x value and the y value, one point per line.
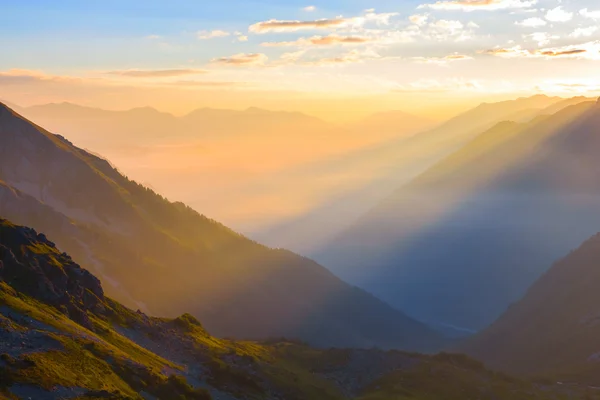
320	41
419	19
351	57
241	37
310	8
275	25
434	85
574	86
287	26
558	14
476	5
205	84
590	50
442	60
242	59
157	73
205	35
20	76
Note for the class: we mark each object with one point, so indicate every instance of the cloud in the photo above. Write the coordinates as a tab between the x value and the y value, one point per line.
156	73
590	14
23	76
584	32
204	35
283	26
570	86
590	51
442	60
275	25
321	41
205	84
444	30
419	19
351	57
476	5
241	37
559	15
310	8
532	22
542	38
436	86
242	59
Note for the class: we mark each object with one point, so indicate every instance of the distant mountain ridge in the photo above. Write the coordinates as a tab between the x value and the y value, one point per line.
166	258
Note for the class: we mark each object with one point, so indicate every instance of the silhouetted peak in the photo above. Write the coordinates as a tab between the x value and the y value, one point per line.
4	109
145	110
256	110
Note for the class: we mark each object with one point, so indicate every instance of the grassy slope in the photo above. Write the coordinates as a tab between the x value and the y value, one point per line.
106	360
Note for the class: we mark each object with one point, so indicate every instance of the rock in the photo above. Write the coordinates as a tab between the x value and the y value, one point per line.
31	264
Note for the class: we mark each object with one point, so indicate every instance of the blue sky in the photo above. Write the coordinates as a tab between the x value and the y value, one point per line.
352	47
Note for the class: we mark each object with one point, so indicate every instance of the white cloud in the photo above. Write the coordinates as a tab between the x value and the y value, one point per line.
241	37
532	22
310	8
476	5
419	19
542	38
204	35
558	14
590	14
584	32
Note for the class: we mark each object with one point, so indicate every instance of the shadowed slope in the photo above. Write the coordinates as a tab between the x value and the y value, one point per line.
554	329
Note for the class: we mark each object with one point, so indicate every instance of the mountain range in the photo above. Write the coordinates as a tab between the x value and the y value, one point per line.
134	239
468	236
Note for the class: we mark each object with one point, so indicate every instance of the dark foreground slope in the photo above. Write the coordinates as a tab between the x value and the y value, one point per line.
61	338
468	237
555	328
165	258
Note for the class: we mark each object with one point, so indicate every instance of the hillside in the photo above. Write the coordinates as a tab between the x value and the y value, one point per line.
554	329
167	259
468	236
61	338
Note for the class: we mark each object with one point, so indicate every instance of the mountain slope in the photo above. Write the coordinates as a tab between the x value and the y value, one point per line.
165	258
467	237
554	329
48	352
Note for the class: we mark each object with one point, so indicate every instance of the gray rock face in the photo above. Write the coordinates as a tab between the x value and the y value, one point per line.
31	264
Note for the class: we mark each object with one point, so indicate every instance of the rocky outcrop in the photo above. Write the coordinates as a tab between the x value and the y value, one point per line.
31	264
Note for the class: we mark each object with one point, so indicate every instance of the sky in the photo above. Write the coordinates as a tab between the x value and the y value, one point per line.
334	59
